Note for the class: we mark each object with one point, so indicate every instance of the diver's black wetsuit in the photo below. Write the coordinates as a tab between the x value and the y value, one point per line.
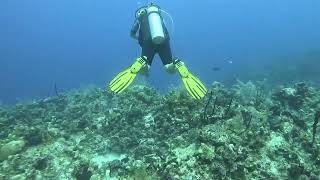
149	49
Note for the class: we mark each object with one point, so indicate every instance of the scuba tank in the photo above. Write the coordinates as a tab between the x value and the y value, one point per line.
155	24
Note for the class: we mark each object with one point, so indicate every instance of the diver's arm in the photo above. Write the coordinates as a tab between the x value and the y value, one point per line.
134	30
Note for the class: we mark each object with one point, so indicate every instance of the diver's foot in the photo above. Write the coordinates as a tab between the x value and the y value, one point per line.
145	70
170	68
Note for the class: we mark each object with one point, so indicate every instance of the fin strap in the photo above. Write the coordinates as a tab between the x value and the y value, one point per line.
138	64
182	69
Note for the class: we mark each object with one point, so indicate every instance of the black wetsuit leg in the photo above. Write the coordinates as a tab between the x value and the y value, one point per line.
165	53
148	50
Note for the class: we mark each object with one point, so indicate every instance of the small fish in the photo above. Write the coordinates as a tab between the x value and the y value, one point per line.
216	68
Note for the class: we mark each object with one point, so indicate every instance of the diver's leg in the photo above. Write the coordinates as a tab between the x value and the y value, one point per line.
148	51
166	57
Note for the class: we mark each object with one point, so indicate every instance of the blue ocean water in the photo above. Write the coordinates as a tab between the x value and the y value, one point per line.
76	43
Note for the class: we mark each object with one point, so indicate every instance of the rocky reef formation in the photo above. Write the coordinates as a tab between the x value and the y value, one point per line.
243	132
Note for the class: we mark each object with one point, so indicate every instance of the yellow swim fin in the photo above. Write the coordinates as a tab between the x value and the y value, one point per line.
194	86
126	77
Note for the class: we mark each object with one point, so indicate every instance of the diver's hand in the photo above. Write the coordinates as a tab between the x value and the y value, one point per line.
134	36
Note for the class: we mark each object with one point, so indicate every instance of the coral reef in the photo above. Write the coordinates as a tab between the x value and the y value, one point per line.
245	132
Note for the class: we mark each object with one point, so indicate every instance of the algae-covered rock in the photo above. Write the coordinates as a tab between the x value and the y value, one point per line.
11	148
206	152
293	97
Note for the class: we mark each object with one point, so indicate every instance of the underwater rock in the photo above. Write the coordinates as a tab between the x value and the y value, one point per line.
293	97
276	141
205	152
82	172
11	148
41	163
288	92
302	89
36	136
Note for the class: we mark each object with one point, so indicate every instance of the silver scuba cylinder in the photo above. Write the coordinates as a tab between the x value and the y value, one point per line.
155	24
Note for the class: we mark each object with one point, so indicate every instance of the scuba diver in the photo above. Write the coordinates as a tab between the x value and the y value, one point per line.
149	29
